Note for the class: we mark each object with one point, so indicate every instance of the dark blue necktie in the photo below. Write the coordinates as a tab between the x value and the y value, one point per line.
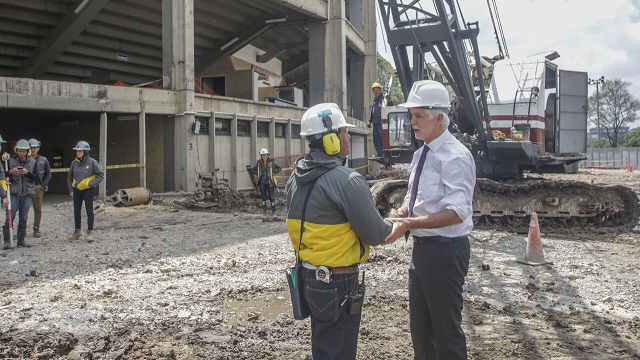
416	179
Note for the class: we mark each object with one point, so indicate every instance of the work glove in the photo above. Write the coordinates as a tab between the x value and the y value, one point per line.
369	125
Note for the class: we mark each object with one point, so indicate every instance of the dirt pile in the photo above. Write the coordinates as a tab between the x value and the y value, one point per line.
161	282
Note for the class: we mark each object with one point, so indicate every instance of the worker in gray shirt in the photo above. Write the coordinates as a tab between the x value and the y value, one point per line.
43	172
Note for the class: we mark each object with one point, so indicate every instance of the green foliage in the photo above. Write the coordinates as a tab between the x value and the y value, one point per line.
385	72
632	138
601	143
615	108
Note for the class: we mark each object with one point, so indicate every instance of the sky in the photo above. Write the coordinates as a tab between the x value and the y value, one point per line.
600	38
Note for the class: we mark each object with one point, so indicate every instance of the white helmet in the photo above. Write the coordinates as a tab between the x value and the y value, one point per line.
322	118
427	94
264	151
23	144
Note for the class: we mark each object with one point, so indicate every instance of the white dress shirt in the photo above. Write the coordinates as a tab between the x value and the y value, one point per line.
447	182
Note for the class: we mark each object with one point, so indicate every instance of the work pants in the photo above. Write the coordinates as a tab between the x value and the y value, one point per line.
37	206
80	196
377	138
267	190
20	204
334	333
436	276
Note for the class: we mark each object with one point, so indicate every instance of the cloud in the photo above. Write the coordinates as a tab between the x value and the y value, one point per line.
602	39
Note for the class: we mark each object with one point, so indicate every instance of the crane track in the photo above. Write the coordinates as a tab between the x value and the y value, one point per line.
559	204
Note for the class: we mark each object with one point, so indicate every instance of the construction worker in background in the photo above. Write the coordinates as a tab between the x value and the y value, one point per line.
3	180
21	170
332	206
376	116
438	212
43	172
84	175
265	168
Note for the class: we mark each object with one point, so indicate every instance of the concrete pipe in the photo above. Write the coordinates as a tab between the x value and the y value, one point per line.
131	197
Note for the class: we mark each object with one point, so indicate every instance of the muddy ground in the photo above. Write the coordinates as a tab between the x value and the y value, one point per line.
162	282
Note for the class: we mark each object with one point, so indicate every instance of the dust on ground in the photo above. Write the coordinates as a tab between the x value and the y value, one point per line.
162	282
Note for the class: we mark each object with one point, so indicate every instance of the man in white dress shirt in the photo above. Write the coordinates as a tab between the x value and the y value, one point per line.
437	211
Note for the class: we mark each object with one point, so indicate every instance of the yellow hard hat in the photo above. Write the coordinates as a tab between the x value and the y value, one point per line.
376	85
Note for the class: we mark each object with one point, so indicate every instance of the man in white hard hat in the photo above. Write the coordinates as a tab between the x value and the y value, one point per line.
332	205
43	172
437	211
375	119
21	170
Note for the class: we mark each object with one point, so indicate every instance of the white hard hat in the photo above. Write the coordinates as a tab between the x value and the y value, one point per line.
82	145
23	144
427	94
322	118
264	151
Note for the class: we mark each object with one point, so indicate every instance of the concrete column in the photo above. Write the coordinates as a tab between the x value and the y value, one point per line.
212	142
272	135
181	68
254	138
167	44
287	144
234	152
370	68
357	86
102	158
328	58
142	147
355	13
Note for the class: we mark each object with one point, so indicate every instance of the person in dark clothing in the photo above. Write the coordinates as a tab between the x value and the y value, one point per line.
376	117
264	169
3	181
84	175
21	170
43	171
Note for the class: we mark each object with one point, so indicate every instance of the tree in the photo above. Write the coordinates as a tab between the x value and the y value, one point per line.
386	72
600	143
617	108
632	138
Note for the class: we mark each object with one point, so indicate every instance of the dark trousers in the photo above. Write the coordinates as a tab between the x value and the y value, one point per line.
85	196
436	276
334	333
266	190
20	204
377	138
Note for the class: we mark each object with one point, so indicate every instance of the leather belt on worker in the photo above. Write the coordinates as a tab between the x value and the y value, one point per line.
323	273
436	239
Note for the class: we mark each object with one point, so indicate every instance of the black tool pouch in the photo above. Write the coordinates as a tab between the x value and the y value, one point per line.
356	298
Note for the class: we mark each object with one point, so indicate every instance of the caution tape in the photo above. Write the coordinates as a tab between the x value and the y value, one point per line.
108	167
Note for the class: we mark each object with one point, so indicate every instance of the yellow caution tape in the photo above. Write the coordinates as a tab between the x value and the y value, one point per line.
108	167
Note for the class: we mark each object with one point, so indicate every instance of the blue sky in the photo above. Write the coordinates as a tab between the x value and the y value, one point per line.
601	38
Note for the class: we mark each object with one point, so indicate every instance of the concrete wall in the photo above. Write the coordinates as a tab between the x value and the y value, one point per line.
155	153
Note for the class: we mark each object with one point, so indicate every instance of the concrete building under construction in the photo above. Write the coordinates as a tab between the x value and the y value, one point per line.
166	89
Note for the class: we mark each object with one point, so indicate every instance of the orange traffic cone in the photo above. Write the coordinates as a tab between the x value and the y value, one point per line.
534	255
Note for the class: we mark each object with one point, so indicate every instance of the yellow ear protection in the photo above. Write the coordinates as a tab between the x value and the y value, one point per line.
15	150
330	141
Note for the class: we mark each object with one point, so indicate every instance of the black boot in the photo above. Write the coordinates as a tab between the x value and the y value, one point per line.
264	209
5	236
273	209
22	233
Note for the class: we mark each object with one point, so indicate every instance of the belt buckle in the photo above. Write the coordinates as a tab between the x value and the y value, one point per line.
323	274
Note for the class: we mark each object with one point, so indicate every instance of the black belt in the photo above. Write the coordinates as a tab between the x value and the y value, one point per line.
338	270
436	239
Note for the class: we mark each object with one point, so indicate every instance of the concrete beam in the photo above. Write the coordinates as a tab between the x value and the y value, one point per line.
355	40
317	9
232	45
281	48
62	36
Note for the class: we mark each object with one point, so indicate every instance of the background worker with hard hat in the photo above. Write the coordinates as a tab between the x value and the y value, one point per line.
84	175
332	220
43	172
21	170
265	169
376	116
437	210
3	179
